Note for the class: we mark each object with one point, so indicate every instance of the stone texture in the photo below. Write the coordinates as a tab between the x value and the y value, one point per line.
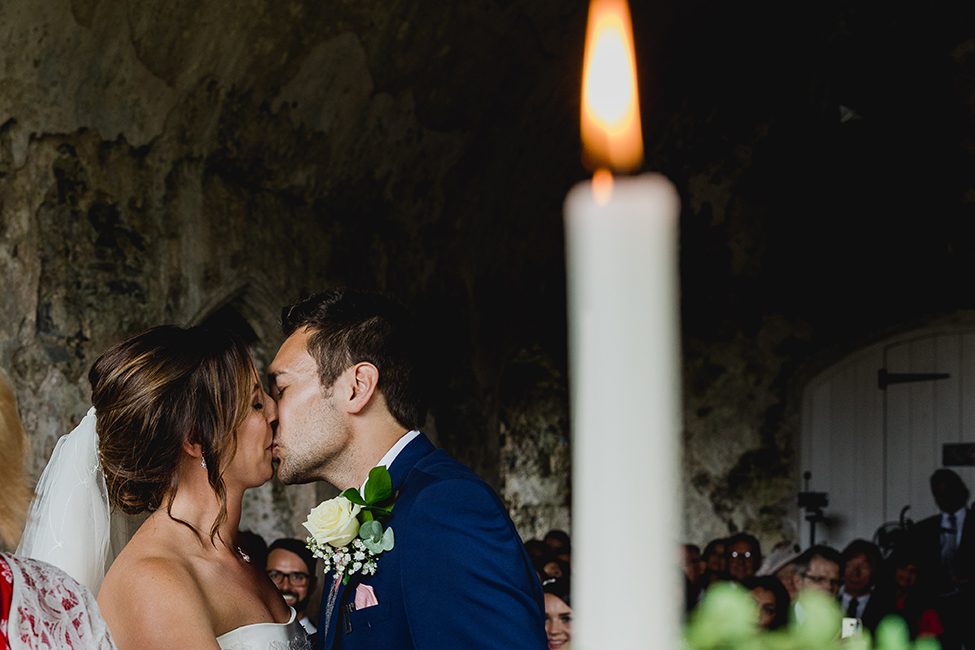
536	454
166	162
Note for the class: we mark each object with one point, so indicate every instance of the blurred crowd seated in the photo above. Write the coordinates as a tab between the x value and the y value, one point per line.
925	578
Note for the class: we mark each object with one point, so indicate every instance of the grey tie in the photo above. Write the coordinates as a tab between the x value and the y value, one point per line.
949	544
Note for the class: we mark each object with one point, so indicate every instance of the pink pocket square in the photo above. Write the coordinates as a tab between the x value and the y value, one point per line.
365	596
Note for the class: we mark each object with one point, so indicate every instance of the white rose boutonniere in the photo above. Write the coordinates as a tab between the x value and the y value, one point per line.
334	522
347	532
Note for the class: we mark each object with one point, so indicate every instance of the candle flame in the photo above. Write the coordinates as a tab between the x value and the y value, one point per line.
611	135
602	186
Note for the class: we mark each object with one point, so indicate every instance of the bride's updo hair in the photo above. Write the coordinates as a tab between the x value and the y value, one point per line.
157	390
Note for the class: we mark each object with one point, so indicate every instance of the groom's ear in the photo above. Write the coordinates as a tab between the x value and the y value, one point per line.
362	384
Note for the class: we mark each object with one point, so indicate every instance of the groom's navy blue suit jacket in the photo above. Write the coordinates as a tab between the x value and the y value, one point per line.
458	576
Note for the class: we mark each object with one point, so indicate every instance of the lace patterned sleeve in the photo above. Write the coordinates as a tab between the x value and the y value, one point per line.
6	591
49	609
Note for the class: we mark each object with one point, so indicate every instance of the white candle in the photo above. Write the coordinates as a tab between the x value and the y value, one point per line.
626	422
624	345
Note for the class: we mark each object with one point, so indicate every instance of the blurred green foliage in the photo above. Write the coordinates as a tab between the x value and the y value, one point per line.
727	619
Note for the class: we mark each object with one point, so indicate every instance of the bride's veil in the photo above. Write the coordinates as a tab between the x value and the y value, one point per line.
70	523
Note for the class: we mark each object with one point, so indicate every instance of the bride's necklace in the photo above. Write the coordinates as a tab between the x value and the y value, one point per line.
244	556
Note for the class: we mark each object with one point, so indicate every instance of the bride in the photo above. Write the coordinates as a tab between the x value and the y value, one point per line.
183	428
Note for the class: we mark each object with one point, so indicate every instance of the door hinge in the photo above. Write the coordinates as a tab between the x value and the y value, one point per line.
885	379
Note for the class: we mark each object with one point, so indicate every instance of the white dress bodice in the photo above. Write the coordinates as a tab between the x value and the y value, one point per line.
267	636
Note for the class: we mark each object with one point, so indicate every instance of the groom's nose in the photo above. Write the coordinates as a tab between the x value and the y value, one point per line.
271	412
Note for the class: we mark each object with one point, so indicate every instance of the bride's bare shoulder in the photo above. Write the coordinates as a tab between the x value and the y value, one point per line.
150	588
152	559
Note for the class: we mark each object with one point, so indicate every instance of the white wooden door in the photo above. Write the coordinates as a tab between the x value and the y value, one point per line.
873	449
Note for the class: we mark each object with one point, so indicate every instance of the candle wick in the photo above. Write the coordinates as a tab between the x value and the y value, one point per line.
602	186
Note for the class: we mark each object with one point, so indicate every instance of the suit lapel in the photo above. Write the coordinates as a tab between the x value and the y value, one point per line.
410	455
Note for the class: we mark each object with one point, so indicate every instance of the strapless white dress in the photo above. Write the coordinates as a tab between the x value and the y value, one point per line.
267	636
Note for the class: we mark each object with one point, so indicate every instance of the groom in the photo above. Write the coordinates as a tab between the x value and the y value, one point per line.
346	387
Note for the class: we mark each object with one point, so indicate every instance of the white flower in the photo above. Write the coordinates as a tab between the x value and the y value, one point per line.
333	522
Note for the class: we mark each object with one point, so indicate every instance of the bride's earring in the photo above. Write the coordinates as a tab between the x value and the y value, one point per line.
203	463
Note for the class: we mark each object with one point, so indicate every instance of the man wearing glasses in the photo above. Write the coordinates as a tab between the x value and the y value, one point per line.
291	567
819	567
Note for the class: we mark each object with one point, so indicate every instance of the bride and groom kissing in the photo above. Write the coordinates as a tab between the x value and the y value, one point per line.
182	426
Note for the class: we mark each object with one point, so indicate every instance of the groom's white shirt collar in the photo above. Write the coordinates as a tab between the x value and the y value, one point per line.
393	452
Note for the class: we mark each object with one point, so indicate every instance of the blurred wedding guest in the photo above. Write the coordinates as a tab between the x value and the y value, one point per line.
944	547
819	567
558	541
556	569
40	605
781	564
772	600
714	556
693	564
541	556
744	556
897	585
537	549
558	614
861	562
715	563
693	567
291	567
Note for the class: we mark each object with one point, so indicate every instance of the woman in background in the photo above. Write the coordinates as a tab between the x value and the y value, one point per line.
715	563
772	600
558	613
896	586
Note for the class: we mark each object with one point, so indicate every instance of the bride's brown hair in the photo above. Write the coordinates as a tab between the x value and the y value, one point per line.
158	390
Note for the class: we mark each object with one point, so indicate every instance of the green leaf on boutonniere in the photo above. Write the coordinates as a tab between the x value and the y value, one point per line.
375	547
353	495
388	540
371	530
372	536
379	485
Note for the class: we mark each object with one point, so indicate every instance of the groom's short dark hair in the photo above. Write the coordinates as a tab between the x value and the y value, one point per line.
348	327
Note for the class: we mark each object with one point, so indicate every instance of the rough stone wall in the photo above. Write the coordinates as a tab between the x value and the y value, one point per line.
160	161
536	451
